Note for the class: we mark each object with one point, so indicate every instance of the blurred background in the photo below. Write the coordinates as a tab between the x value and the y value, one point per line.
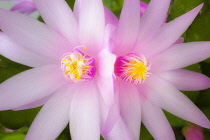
14	124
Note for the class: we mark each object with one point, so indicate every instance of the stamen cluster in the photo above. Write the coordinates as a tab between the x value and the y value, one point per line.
132	68
78	67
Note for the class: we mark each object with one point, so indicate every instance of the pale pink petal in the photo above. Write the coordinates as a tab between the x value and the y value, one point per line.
132	120
11	50
52	118
180	40
110	18
35	104
186	80
30	86
110	117
32	34
119	132
106	83
91	24
163	94
153	18
108	114
155	121
59	16
128	27
111	108
84	113
180	55
143	7
16	0
25	7
105	80
130	108
45	99
108	37
77	7
167	34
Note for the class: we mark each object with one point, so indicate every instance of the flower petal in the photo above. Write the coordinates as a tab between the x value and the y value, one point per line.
155	121
169	98
52	118
167	34
106	83
179	41
91	24
128	27
153	17
105	80
34	104
186	80
59	16
110	18
119	132
14	0
130	108
109	115
11	50
30	86
32	34
77	7
180	55
25	7
84	113
143	7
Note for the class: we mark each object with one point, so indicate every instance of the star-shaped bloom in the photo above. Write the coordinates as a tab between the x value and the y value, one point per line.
149	70
23	6
69	73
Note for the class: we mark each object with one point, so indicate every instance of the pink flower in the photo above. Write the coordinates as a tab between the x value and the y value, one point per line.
69	67
149	74
23	6
193	132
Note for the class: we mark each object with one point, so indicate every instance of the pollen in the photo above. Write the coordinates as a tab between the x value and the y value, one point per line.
78	67
132	68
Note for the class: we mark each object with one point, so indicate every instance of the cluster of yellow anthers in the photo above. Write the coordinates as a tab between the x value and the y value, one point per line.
133	69
77	67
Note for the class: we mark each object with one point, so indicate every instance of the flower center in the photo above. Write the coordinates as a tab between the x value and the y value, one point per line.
132	68
78	67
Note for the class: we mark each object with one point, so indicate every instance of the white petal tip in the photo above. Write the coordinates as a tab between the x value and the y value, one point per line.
207	125
199	7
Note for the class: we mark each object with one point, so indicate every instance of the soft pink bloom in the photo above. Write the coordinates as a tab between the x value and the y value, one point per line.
150	56
23	6
70	70
193	132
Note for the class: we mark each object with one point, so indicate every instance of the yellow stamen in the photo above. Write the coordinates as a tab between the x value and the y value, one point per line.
77	67
132	68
